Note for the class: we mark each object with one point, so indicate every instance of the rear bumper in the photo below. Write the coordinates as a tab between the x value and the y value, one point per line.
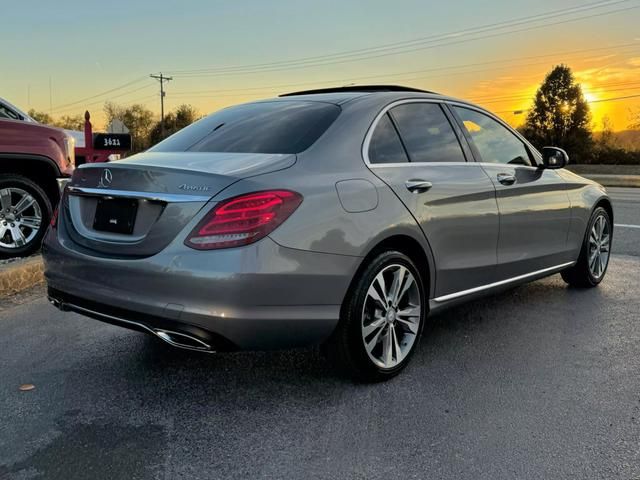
262	296
174	333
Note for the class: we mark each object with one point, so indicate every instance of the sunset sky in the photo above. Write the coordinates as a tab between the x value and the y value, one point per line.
224	52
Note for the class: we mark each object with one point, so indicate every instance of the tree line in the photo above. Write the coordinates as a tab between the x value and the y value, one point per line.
560	116
142	123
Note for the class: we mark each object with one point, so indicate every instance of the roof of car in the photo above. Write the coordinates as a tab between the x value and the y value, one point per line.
357	89
342	95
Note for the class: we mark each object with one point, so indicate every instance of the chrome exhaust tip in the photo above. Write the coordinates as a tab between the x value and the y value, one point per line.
183	340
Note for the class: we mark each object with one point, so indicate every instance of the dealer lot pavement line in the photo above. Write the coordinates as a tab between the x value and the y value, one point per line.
623	225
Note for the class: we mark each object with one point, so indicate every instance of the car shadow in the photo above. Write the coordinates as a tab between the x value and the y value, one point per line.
308	365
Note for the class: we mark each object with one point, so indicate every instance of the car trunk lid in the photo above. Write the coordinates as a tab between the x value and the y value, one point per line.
136	207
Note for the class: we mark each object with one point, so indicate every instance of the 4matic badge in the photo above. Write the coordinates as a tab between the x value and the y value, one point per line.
194	188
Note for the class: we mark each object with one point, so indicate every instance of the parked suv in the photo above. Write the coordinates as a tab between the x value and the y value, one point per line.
34	159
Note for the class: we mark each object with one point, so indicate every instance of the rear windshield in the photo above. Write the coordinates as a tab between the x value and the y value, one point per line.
268	127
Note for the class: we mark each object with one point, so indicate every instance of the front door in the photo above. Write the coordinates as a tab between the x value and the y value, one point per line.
415	150
533	203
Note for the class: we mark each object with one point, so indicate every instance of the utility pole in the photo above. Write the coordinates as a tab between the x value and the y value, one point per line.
161	78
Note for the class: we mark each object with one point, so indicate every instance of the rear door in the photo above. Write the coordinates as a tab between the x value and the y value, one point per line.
533	203
414	148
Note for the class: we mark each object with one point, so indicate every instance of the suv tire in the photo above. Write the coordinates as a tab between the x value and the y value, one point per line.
25	213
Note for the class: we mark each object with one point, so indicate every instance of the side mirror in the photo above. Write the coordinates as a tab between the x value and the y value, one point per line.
554	157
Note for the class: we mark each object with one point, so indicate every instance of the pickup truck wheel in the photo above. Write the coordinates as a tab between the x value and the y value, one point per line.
25	212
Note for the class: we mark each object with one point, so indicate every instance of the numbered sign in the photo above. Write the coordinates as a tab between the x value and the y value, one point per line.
112	141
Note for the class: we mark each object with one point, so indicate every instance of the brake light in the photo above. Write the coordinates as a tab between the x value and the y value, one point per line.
243	220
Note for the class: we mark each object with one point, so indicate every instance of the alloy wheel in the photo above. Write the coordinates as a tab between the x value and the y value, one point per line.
391	316
599	246
20	217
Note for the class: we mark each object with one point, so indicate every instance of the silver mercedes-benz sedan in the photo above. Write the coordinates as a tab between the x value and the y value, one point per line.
340	216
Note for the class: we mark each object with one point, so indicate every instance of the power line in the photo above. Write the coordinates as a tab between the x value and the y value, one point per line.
141	99
206	73
603	89
271	88
430	39
409	43
449	67
516	112
123	94
519	96
385	51
616	98
106	92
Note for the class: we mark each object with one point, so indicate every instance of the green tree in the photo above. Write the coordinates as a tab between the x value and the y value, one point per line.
181	117
560	115
41	117
137	118
70	122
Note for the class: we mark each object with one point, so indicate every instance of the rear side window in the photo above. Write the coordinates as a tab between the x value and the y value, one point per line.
427	133
385	145
268	127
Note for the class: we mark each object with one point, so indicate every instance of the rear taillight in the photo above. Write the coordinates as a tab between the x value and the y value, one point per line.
243	220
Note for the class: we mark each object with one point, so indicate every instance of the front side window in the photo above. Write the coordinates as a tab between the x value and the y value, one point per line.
427	133
385	145
495	143
265	127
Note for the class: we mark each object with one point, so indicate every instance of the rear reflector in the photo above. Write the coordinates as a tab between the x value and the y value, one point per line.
243	220
54	218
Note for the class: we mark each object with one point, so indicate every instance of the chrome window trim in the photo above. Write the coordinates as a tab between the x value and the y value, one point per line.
452	296
382	113
452	164
151	196
414	164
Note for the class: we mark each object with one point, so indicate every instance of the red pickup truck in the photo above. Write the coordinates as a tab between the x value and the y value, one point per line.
34	160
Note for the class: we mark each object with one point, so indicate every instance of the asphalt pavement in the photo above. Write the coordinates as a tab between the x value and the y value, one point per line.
541	381
626	212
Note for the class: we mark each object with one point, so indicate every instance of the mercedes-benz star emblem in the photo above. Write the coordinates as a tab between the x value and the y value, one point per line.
106	178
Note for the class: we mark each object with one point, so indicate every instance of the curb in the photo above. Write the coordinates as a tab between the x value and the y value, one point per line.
614	180
20	275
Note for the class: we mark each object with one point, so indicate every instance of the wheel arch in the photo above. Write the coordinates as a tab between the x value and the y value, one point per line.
605	203
41	170
408	245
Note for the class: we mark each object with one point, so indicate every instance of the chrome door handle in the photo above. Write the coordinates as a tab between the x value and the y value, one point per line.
418	186
506	178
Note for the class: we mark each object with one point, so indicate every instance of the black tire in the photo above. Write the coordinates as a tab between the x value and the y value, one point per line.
34	235
580	275
346	347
